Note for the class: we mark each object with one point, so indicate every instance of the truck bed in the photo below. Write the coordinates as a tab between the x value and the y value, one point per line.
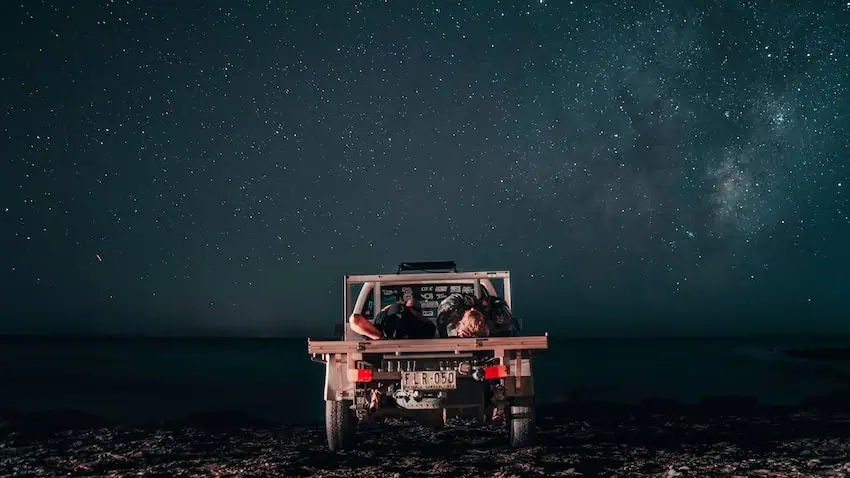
456	345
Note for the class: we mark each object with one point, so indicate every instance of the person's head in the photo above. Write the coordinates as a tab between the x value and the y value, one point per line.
473	314
472	324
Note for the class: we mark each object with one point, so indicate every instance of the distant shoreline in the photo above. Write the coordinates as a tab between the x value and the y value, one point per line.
552	337
825	353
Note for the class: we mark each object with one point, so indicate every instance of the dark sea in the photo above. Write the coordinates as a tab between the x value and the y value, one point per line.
159	379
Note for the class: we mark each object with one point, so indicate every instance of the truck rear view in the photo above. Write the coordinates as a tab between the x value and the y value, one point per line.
427	379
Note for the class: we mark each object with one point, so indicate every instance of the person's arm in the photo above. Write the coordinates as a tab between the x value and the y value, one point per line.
362	326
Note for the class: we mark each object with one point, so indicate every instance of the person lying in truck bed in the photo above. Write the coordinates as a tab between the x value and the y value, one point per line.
464	315
402	320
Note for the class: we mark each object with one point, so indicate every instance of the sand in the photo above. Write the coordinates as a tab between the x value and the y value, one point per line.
573	440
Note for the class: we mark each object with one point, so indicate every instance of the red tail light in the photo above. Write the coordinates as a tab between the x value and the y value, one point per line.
495	371
360	375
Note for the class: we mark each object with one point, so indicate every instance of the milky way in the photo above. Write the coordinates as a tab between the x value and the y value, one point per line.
178	167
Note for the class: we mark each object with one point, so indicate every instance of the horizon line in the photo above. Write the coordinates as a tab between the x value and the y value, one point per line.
213	336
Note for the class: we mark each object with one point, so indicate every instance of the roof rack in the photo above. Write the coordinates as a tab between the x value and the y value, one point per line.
427	266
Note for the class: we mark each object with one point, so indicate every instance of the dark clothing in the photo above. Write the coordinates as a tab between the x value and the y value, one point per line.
500	319
398	322
502	330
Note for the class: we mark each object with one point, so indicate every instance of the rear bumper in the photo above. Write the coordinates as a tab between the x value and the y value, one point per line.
387	360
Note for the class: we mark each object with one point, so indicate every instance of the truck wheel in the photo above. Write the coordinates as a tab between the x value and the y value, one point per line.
520	422
341	424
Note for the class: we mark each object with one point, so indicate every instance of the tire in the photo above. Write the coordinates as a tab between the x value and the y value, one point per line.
340	424
520	422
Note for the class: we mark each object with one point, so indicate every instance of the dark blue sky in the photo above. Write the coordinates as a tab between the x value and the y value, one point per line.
215	167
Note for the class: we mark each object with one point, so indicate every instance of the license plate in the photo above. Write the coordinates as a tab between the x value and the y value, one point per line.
429	380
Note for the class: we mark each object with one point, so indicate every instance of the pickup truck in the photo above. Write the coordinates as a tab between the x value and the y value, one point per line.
430	380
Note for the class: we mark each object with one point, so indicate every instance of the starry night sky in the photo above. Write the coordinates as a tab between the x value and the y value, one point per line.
215	167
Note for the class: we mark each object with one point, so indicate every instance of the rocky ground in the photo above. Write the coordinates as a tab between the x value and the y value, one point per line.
587	441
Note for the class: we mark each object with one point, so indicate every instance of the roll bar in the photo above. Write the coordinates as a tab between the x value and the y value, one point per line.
372	284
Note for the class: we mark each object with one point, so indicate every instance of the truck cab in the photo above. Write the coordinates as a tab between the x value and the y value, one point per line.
430	379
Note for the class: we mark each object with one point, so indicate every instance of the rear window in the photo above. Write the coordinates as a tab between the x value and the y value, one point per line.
429	295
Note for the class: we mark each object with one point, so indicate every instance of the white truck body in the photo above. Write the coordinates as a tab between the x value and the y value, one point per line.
443	376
